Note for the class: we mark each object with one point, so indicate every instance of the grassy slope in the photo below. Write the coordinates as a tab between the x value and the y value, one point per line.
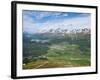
61	57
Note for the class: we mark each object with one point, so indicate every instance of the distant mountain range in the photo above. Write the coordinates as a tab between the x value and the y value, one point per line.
59	30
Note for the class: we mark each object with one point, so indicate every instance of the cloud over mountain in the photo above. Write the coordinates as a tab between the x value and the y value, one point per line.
39	21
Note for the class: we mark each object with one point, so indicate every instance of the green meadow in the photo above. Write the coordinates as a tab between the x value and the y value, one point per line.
57	49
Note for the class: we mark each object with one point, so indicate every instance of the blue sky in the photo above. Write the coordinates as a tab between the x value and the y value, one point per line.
36	21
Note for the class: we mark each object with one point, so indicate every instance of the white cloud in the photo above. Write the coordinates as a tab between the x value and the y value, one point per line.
74	23
29	25
42	14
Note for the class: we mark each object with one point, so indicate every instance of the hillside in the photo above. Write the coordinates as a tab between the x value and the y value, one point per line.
57	48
